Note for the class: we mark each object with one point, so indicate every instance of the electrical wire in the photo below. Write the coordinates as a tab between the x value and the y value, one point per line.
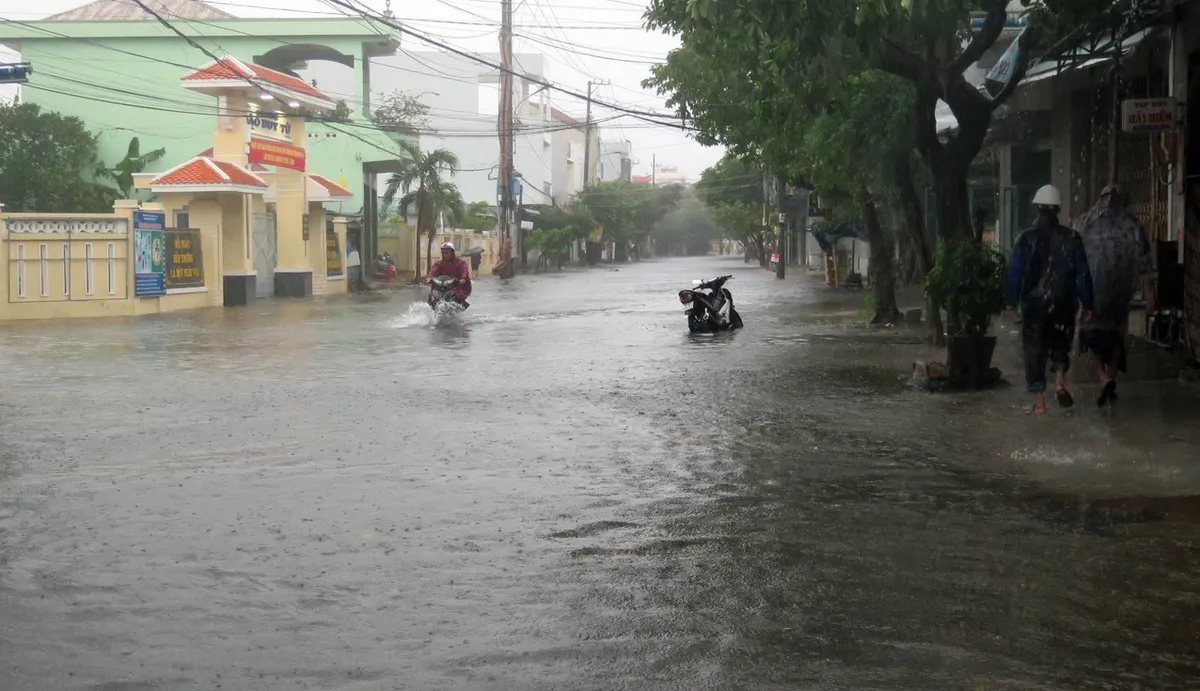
645	115
177	104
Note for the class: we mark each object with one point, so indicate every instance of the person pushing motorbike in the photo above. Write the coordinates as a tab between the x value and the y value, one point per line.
451	265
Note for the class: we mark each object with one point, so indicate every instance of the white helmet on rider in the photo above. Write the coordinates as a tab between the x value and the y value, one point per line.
1048	196
448	247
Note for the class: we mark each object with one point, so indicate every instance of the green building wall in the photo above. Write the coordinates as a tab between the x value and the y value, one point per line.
122	79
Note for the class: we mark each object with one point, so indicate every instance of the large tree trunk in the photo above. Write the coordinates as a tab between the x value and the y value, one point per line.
760	248
918	239
881	269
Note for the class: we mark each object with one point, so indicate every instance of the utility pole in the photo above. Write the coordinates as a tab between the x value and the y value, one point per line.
505	130
654	170
587	139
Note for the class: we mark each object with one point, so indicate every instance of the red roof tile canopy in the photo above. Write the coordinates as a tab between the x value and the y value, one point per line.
334	189
230	68
207	172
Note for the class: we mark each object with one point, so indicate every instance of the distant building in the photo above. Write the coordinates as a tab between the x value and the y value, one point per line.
616	162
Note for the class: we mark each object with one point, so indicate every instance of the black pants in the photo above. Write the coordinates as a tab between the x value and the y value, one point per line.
1042	341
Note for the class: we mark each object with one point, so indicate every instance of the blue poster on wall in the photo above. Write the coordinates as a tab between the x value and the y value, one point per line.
149	253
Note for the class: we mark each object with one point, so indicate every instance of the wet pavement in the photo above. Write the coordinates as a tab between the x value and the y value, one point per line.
566	491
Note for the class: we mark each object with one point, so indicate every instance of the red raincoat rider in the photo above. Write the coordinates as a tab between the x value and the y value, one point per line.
451	265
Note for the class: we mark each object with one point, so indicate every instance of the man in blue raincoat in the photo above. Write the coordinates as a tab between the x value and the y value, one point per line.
1048	279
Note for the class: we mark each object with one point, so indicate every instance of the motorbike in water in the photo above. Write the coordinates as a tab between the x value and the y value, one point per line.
711	311
442	300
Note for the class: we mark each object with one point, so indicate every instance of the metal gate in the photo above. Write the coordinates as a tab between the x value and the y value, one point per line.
263	241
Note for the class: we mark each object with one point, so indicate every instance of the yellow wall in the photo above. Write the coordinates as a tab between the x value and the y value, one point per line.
401	242
37	289
338	284
464	240
97	248
316	248
235	250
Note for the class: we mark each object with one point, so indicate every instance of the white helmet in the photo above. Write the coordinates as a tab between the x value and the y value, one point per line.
1048	196
448	246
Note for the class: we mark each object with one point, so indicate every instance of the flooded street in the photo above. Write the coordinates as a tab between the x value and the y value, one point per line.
566	491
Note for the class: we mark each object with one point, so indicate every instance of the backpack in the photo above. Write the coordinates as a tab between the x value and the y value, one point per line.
1049	281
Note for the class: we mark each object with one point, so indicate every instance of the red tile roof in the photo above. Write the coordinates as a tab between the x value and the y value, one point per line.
256	167
334	189
228	68
206	171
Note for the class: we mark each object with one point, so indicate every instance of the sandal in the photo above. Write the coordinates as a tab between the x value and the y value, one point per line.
1064	398
1034	410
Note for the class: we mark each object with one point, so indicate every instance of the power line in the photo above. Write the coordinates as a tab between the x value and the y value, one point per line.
647	116
141	96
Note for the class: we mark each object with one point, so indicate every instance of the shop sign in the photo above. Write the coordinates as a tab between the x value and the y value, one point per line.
185	259
1148	115
149	253
333	255
270	153
269	125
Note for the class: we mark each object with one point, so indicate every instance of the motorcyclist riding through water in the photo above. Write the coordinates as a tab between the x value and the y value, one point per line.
458	269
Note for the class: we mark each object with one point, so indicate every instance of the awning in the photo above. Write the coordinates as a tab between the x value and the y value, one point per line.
1093	51
1090	52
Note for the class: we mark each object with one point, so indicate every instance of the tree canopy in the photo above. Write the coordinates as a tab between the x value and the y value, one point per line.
401	113
423	179
689	229
134	162
751	74
628	210
47	161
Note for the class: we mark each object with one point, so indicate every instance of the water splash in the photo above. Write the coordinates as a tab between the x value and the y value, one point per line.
419	314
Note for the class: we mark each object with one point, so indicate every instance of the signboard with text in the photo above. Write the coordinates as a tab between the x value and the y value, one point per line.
1148	115
184	260
272	153
269	125
333	255
149	252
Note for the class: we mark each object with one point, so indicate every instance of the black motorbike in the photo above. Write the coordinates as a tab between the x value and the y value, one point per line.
711	311
442	300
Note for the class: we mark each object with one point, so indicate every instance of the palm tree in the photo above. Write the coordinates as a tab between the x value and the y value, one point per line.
134	162
421	178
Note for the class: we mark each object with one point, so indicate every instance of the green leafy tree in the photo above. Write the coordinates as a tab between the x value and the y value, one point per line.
614	205
341	113
732	189
47	162
553	244
577	219
629	211
771	53
422	179
401	113
742	222
688	230
478	217
731	180
133	163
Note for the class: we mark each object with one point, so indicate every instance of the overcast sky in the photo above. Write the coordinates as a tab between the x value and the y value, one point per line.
581	39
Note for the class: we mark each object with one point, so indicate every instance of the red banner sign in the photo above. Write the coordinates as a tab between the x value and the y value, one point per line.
271	153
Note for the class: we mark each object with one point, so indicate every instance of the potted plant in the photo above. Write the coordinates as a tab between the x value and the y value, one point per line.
967	280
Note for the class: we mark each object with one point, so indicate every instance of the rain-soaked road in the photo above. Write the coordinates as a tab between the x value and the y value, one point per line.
568	492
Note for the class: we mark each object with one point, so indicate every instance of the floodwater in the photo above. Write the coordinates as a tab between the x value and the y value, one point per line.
566	491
